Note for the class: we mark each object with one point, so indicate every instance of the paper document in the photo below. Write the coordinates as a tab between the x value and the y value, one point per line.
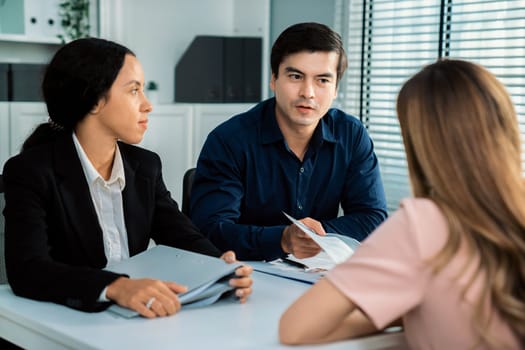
281	269
334	247
206	277
320	261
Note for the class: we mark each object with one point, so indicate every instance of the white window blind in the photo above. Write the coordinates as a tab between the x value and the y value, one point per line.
492	33
387	41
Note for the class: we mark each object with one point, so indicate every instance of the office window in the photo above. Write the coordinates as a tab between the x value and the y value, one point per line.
387	41
492	33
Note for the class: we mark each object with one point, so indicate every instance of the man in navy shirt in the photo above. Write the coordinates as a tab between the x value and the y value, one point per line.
291	153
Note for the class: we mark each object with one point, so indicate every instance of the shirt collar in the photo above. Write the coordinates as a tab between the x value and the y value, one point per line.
270	131
92	175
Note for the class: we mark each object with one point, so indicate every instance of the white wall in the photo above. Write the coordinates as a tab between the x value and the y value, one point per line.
287	12
252	18
159	31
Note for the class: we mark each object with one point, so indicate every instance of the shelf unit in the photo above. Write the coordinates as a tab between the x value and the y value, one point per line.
22	38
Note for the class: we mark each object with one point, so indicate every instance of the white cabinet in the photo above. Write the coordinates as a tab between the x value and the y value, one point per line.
17	121
24	117
41	18
208	116
177	132
169	135
30	21
38	21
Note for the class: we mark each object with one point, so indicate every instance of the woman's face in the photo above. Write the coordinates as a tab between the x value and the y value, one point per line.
123	114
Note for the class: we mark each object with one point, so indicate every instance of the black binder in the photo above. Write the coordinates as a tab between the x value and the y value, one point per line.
220	69
4	78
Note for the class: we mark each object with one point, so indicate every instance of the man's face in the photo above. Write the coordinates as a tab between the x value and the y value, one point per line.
305	87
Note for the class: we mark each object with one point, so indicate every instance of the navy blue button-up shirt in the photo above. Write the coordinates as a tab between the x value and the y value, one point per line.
247	175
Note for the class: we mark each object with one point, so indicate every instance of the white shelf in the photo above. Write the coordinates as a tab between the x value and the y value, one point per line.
21	38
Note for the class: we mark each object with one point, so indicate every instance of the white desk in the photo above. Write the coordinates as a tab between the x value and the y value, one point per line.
224	325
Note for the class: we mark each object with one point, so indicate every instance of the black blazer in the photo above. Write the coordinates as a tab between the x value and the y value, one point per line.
54	248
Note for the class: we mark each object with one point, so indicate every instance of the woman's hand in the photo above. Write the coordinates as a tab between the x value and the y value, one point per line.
149	297
243	282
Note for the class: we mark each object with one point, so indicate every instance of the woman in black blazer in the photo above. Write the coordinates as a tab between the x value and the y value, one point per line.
76	198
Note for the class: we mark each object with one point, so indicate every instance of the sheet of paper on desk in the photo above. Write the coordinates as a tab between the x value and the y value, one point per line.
319	262
281	269
334	247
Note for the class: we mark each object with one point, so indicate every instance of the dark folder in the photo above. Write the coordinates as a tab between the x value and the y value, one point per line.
206	277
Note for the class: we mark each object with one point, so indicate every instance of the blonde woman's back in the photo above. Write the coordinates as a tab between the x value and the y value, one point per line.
397	280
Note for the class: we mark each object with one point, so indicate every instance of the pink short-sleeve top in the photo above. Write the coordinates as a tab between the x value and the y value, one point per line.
390	276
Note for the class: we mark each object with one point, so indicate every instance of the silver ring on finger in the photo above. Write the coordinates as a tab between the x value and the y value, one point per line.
150	302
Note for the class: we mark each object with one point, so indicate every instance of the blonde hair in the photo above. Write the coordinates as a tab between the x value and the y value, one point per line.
463	147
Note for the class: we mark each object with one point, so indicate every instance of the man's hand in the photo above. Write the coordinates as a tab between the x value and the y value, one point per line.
295	241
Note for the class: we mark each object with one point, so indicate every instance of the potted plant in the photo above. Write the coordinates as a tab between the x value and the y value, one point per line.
75	19
152	91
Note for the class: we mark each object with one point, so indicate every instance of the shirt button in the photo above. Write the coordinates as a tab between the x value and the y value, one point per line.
301	170
300	206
